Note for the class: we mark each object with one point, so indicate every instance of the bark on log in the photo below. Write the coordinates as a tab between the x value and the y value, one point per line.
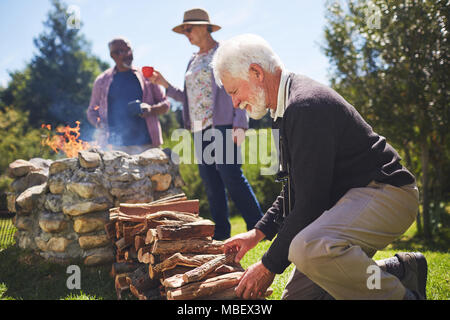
122	244
120	283
123	267
190	246
140	279
200	272
110	229
198	229
176	280
230	294
173	215
174	198
139	242
130	254
177	259
119	225
205	288
151	294
229	268
191	206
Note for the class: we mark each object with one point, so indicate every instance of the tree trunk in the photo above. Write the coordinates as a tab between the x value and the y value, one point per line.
425	157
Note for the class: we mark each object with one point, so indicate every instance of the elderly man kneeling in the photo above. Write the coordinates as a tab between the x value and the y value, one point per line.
348	194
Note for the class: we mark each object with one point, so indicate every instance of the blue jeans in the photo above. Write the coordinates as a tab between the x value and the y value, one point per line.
220	172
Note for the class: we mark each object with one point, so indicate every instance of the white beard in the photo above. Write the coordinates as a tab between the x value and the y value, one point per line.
258	107
126	65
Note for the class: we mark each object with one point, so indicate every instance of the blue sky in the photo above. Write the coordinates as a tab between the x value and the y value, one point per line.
294	28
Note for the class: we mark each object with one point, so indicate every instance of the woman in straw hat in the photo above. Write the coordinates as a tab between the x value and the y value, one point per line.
208	112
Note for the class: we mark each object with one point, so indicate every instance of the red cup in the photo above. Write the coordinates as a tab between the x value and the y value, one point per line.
147	71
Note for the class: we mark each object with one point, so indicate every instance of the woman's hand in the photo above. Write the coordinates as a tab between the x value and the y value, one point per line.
158	79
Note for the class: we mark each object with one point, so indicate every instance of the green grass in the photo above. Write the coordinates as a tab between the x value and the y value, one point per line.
25	276
7	231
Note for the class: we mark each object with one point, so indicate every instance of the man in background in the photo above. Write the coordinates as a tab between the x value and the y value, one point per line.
125	106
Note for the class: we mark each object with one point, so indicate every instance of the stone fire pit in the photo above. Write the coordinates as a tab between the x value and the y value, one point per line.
62	206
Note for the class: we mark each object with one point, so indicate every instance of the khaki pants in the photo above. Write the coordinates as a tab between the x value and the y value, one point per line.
333	254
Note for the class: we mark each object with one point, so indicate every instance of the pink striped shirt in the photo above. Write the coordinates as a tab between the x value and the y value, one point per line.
97	113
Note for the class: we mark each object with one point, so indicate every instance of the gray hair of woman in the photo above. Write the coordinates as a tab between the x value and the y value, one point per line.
235	55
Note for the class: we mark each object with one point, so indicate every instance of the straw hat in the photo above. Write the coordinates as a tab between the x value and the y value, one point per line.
195	16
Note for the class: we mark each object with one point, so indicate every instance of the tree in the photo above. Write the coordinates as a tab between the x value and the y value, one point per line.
390	59
55	87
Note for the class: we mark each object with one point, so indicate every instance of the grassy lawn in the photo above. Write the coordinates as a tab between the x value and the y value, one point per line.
25	276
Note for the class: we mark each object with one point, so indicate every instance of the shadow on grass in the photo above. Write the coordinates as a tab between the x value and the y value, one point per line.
439	243
26	276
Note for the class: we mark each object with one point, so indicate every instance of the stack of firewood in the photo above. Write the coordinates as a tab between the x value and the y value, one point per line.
164	250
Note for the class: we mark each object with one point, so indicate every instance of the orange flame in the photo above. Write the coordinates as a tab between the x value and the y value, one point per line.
66	140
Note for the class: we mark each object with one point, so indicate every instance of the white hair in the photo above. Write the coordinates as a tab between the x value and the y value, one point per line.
118	39
234	56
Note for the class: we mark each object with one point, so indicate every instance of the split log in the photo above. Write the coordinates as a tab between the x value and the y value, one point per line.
174	198
123	267
122	244
198	229
192	206
205	288
140	280
200	272
230	294
156	258
131	254
176	280
110	229
118	228
165	222
144	254
185	217
120	283
191	246
139	242
173	215
120	257
229	268
151	294
151	236
129	232
113	213
188	260
176	271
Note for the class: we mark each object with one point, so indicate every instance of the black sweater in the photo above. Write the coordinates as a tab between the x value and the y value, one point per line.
330	149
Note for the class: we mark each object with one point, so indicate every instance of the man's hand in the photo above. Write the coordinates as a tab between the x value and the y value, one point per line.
243	242
238	135
146	109
254	282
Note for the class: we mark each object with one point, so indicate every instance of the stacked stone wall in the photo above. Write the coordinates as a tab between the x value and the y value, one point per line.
62	206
